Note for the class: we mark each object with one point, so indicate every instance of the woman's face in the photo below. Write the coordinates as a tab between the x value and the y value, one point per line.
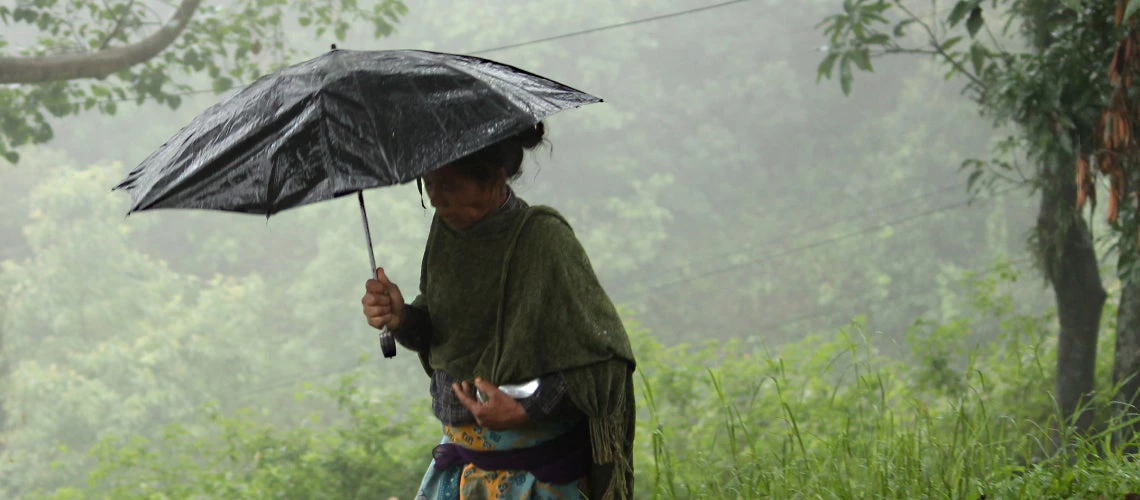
460	200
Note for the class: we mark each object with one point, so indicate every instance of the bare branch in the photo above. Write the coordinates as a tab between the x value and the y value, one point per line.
97	64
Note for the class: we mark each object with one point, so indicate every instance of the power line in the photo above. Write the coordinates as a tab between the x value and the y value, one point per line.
537	41
821	312
599	29
909	291
815	244
819	213
763	258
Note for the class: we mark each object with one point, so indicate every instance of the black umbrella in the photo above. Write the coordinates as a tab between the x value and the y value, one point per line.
341	123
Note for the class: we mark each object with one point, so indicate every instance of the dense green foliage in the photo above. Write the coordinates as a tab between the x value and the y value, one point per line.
720	194
827	417
219	47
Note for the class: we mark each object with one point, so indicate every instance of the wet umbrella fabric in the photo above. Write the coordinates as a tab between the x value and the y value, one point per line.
341	123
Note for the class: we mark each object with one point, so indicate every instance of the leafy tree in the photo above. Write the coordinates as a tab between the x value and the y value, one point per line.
90	56
104	338
1049	83
1114	157
690	150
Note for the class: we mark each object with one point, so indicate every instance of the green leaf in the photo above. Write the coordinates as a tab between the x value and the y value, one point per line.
970	163
12	156
975	22
950	43
845	75
901	26
222	84
1133	6
974	176
879	7
862	59
978	56
826	65
878	39
961	8
1066	142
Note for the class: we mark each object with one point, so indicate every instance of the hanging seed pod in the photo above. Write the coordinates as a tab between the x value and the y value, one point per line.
1084	182
1122	128
1113	208
1106	128
1106	164
1116	193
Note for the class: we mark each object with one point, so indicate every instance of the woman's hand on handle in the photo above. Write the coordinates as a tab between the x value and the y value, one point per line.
383	302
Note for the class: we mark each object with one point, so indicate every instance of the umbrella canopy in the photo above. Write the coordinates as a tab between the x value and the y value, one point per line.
341	123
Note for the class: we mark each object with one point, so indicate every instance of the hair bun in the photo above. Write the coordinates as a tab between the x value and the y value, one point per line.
532	137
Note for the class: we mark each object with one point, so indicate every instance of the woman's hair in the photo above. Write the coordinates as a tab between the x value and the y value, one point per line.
483	165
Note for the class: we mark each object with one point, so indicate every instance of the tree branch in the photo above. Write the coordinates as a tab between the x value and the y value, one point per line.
118	26
890	51
938	47
97	64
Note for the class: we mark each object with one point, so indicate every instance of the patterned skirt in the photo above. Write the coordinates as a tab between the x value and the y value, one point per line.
468	482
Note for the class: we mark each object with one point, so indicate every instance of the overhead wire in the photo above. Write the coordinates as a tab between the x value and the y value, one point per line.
500	48
763	258
800	248
348	367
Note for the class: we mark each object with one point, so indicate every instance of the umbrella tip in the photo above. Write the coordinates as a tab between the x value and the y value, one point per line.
334	46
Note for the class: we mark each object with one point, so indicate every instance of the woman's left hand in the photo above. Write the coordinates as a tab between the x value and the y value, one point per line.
498	412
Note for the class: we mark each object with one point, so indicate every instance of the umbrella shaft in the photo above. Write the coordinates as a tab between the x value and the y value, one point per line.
367	233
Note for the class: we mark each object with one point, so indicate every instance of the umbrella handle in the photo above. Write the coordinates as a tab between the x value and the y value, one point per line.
387	343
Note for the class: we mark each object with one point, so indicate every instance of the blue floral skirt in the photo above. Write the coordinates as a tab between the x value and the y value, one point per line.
471	483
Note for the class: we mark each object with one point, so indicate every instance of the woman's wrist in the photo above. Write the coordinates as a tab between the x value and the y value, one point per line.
397	320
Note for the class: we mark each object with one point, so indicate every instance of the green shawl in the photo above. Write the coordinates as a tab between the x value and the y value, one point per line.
516	298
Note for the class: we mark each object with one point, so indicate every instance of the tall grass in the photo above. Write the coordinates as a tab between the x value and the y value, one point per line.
795	426
961	410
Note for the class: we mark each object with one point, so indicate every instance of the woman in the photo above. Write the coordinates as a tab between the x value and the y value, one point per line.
508	295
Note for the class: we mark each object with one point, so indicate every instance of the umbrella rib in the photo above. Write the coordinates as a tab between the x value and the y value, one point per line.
545	99
375	127
422	55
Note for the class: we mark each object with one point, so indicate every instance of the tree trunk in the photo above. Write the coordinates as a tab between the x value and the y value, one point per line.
1126	365
1070	263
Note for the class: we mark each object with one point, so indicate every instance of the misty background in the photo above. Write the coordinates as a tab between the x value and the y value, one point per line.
721	192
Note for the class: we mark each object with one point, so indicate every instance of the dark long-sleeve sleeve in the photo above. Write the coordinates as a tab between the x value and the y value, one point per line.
550	399
415	332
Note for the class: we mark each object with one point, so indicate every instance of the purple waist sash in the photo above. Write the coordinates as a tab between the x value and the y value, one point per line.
561	460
